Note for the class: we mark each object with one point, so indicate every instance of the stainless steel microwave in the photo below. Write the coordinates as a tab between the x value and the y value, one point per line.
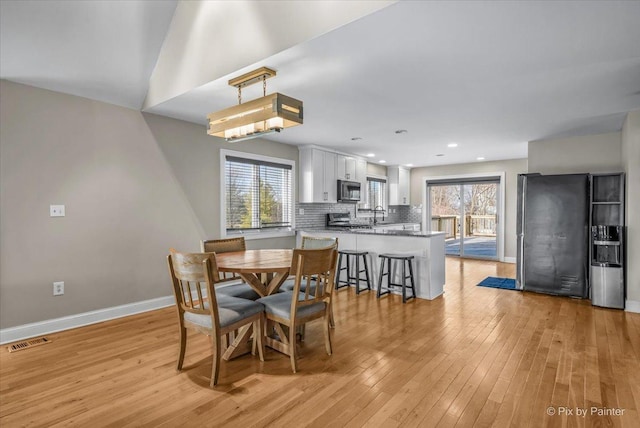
348	191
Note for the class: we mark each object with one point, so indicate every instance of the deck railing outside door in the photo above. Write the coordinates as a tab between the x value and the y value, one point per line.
474	225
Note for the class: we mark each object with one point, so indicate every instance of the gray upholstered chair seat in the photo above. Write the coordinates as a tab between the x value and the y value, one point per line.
230	310
279	305
288	285
242	291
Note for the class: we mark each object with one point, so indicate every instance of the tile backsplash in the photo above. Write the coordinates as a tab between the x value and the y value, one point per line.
315	214
406	214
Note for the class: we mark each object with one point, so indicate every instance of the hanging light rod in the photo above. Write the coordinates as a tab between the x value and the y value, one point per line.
261	116
252	77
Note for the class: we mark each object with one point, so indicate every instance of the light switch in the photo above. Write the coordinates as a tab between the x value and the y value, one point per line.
56	210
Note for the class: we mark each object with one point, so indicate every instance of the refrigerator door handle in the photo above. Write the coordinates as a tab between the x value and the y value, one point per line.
521	264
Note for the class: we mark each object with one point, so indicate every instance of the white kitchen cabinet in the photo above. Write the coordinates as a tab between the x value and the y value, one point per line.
318	178
361	172
399	185
346	168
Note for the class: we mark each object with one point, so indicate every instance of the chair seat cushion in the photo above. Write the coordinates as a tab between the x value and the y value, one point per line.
279	305
230	311
243	291
287	285
290	283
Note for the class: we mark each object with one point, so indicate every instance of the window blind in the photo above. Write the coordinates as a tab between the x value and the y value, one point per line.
258	194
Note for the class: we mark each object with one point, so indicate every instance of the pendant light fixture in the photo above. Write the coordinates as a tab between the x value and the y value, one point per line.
258	117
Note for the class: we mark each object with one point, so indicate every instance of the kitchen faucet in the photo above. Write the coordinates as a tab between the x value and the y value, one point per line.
375	219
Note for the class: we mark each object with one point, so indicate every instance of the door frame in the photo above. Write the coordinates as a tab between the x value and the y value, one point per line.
426	202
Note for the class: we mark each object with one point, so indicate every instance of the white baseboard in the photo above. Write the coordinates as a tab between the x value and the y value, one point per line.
25	331
632	306
509	259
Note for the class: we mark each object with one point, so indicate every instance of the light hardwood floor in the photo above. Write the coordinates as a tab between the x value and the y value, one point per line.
474	357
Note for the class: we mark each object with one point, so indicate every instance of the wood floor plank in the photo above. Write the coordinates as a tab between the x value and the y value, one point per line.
474	357
491	366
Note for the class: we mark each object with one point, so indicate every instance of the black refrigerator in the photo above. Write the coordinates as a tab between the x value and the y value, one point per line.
553	234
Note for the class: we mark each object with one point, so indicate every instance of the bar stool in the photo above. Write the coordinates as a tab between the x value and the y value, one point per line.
404	259
355	280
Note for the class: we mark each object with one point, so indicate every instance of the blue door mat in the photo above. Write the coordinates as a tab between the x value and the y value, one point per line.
493	282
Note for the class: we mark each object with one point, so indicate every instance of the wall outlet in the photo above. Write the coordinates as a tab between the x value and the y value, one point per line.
58	288
56	210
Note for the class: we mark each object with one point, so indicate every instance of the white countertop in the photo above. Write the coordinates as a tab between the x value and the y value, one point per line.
403	233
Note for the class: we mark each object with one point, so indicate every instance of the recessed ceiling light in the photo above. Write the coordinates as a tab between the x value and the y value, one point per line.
440	154
452	145
356	138
383	161
480	158
370	155
401	131
409	164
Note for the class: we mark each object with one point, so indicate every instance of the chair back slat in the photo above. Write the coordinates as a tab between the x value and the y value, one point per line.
186	285
308	287
200	297
224	246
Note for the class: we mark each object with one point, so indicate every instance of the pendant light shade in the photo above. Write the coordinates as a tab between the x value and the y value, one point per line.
261	116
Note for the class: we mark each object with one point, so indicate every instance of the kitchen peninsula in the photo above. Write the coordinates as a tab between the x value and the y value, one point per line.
426	247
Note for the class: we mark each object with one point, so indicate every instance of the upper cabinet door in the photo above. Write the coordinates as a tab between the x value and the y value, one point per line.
346	168
330	180
319	193
361	172
317	177
399	185
404	184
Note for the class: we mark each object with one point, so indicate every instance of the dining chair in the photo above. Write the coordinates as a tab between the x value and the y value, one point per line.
295	308
193	276
242	290
315	242
309	243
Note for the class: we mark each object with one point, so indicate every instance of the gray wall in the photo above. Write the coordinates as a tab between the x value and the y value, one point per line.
133	185
631	164
511	169
376	169
589	153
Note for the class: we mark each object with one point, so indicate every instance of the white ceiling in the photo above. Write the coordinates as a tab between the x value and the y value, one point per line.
489	76
86	48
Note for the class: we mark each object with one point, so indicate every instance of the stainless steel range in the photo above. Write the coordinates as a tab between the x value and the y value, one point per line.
343	221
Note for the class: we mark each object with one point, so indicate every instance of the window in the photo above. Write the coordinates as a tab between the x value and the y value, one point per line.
377	192
257	193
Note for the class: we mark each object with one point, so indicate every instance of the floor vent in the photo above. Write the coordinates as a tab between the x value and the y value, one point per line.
28	344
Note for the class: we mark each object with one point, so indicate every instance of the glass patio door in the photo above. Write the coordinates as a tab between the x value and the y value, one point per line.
466	211
479	237
445	215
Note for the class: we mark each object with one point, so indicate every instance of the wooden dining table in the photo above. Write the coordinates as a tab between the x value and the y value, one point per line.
264	270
